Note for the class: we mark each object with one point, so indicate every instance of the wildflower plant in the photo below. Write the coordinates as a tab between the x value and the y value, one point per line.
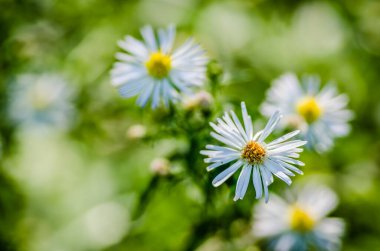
208	157
153	71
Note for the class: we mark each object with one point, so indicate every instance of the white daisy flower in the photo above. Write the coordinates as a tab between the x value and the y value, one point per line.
250	151
41	100
320	115
152	70
300	224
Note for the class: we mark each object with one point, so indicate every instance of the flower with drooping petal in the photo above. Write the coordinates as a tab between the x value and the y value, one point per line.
153	70
321	115
300	223
258	159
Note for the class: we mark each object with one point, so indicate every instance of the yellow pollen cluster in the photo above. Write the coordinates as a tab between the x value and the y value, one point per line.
158	65
253	152
300	220
309	109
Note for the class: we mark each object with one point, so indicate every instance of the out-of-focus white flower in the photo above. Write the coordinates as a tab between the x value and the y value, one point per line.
200	99
160	166
300	224
154	71
136	131
321	115
41	100
251	152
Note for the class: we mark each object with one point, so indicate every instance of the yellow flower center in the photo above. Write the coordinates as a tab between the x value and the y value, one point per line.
253	152
158	65
301	220
40	100
309	109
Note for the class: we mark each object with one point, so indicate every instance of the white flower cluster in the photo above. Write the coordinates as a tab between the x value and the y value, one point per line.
155	72
152	70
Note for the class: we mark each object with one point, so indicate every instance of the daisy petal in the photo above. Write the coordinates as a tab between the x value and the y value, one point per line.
148	35
223	176
270	126
243	181
256	178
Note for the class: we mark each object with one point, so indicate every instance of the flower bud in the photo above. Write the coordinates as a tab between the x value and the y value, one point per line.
160	166
136	131
202	100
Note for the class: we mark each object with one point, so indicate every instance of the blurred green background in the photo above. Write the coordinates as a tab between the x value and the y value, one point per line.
89	186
